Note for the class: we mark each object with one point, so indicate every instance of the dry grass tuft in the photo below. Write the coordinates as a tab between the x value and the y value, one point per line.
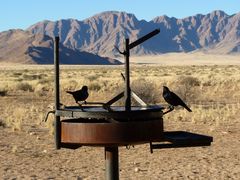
2	123
24	86
187	87
16	120
3	92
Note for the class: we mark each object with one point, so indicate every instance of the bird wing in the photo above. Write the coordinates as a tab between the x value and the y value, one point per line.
170	98
178	101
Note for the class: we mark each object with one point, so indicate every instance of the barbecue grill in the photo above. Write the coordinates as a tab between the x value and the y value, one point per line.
110	126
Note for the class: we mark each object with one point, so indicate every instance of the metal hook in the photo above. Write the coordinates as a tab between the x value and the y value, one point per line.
46	117
121	52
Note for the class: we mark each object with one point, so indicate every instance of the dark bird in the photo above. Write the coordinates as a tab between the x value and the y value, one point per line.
80	95
172	99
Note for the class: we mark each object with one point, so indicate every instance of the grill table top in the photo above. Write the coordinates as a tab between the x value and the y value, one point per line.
117	112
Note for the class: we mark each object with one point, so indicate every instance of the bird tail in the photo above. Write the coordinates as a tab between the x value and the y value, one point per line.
69	92
187	108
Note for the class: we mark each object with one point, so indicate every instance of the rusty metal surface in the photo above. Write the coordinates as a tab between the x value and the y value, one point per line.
102	133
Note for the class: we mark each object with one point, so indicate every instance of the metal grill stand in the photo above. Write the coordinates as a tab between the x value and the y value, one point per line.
57	124
111	152
110	127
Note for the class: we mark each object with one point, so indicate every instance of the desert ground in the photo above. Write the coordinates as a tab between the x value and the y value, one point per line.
212	90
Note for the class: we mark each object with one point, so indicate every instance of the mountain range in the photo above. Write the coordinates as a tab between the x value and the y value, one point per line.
89	40
24	47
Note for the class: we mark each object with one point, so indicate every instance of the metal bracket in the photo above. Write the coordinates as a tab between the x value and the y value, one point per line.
171	108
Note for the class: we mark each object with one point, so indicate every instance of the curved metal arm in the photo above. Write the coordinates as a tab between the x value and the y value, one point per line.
121	52
46	117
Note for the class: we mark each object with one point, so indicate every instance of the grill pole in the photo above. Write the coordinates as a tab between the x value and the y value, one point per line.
111	163
57	125
127	93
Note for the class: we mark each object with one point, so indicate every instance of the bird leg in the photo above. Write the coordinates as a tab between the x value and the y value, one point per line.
80	105
170	108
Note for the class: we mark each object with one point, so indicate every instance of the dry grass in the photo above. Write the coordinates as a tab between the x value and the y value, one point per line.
213	92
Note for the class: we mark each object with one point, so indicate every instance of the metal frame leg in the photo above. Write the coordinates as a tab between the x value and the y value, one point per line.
111	163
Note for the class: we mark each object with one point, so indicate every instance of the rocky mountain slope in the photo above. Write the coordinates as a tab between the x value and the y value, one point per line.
18	46
214	32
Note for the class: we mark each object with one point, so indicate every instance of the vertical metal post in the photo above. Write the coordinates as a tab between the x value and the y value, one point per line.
127	93
57	97
111	163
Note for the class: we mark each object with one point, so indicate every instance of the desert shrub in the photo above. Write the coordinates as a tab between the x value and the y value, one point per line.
45	81
24	86
2	123
17	74
187	87
94	87
3	92
72	84
104	71
189	81
41	90
92	77
16	120
146	90
19	79
33	76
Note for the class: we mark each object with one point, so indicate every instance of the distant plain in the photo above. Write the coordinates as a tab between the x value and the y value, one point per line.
189	59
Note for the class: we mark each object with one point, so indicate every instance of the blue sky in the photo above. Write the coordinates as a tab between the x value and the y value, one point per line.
23	13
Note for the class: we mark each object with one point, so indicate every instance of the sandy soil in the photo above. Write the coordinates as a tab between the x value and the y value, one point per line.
30	154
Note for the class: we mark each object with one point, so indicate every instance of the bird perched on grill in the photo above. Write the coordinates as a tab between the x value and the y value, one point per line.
172	99
80	95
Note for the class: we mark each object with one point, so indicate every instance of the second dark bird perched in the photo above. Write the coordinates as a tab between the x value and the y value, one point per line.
172	99
80	95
